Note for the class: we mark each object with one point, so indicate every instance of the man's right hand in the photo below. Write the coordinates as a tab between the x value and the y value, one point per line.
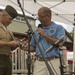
14	43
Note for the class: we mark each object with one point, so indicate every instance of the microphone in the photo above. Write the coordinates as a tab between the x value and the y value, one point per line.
40	26
54	45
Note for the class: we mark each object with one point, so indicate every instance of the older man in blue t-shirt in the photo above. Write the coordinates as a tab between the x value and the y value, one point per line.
47	36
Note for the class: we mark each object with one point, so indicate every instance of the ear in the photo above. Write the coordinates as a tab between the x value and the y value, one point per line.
0	14
3	14
48	18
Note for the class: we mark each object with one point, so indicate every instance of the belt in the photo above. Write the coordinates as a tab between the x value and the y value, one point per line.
47	58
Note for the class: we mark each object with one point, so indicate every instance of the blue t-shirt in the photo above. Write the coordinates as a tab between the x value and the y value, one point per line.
55	31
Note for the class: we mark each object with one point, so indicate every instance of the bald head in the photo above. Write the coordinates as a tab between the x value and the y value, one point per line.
45	10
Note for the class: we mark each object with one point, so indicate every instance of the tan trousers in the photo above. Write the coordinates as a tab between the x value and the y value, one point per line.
41	69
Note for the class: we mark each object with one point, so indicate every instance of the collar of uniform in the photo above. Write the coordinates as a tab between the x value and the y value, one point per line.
2	26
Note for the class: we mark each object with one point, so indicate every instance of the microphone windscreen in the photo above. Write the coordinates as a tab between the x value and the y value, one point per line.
40	26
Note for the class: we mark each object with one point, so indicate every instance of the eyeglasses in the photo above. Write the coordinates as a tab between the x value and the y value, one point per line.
41	16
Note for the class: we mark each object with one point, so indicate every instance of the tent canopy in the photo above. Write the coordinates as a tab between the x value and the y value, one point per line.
62	10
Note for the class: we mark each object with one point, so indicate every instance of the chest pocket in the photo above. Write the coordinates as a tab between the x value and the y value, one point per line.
2	35
5	36
51	32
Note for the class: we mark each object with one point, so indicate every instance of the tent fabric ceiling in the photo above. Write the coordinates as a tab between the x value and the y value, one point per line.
62	10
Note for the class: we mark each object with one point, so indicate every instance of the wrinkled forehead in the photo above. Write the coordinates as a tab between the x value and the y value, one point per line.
43	10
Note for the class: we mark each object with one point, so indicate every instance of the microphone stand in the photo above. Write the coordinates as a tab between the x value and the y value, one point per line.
48	66
61	66
55	44
29	56
52	47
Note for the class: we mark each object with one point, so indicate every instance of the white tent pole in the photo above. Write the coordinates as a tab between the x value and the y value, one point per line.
58	4
23	4
74	45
